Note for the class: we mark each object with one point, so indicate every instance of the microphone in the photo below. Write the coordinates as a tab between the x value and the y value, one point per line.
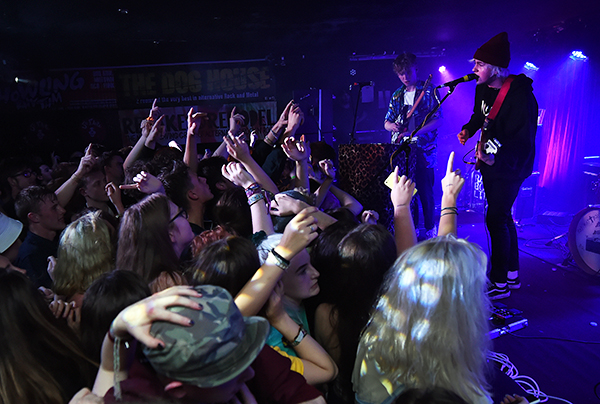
364	83
453	83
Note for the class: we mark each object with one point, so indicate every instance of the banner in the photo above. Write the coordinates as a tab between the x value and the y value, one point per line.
195	84
259	116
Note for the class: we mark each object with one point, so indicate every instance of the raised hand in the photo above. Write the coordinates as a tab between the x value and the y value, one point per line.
236	173
158	129
194	121
298	233
237	148
328	168
369	217
87	162
285	205
137	319
145	183
403	190
295	118
236	121
114	194
296	150
283	118
452	182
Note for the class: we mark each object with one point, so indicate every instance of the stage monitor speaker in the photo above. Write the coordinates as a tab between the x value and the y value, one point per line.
317	106
524	207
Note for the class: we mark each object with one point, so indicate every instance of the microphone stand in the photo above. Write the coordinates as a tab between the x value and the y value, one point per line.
405	145
353	133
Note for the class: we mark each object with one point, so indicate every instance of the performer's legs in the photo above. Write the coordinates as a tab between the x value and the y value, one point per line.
424	178
501	195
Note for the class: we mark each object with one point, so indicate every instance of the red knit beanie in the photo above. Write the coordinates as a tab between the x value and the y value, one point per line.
495	52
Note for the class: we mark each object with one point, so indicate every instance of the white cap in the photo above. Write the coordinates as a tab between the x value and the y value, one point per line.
9	231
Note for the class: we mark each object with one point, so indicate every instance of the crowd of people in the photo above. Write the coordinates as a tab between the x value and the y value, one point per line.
155	275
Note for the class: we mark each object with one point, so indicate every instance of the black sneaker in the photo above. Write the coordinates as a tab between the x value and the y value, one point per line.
514	283
496	292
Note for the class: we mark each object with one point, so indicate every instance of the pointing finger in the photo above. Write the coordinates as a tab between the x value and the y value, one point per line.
450	163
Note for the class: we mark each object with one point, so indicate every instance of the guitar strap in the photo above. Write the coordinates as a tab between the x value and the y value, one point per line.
499	100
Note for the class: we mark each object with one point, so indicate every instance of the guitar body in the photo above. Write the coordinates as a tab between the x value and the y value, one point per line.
405	114
402	120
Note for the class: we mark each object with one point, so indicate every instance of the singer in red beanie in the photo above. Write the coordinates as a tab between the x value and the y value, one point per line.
506	112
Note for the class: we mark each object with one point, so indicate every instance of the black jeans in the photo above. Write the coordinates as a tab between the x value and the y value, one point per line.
424	178
501	195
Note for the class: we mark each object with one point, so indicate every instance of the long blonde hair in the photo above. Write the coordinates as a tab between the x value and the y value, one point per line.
429	325
85	252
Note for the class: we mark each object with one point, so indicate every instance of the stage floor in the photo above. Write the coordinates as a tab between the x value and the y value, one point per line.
560	348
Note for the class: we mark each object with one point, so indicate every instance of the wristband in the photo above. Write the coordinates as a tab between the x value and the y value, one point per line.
255	198
299	337
273	258
449	213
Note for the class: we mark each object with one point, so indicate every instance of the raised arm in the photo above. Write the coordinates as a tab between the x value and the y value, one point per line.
452	184
240	151
319	367
135	322
286	205
298	234
145	126
68	188
236	121
261	220
404	229
299	151
190	156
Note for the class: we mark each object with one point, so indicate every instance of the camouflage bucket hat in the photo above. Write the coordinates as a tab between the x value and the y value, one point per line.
217	348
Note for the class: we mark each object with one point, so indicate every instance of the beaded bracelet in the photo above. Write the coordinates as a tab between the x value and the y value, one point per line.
275	259
252	189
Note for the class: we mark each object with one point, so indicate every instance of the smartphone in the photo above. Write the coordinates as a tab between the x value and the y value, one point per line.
390	184
532	399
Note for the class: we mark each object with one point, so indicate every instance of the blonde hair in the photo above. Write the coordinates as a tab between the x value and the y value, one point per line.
429	325
500	72
85	252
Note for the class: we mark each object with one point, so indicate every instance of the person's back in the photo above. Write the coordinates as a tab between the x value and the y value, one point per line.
429	326
40	358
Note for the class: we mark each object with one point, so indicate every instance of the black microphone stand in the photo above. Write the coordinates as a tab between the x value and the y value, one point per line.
353	133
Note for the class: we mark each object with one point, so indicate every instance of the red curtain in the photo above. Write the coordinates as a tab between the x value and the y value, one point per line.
568	96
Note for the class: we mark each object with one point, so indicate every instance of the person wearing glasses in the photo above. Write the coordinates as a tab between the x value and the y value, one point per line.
153	234
17	174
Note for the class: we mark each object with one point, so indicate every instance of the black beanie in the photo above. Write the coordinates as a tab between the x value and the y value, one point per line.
495	52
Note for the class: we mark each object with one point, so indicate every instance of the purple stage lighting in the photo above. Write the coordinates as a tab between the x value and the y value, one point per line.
578	55
442	69
531	66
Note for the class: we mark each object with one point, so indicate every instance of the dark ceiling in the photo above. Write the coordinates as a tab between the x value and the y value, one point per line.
38	35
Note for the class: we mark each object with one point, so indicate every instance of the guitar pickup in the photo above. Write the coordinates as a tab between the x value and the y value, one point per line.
492	146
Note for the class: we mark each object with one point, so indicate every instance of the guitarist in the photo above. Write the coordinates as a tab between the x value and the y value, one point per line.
513	127
402	118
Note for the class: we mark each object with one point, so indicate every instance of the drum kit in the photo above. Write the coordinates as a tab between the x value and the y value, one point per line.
584	231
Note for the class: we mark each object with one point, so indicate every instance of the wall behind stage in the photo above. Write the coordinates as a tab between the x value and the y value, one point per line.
67	109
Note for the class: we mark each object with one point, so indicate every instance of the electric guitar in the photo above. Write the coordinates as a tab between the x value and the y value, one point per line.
404	116
486	148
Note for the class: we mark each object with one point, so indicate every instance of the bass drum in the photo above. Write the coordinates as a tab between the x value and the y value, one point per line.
584	239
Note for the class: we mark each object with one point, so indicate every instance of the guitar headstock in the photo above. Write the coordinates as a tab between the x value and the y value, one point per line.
427	82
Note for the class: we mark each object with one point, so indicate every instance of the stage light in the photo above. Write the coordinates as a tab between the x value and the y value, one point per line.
442	69
352	72
578	55
531	66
